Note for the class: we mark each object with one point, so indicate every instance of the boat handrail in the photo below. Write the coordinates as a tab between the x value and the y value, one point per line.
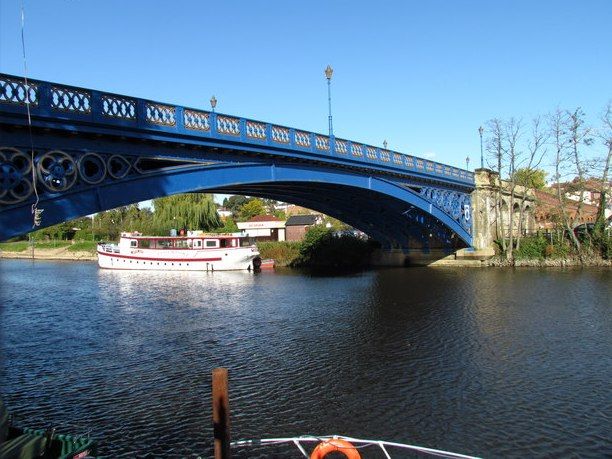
109	247
358	444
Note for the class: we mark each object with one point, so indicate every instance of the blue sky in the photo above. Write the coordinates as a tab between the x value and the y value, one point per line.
421	74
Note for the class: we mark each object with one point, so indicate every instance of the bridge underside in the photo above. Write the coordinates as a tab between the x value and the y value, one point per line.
397	214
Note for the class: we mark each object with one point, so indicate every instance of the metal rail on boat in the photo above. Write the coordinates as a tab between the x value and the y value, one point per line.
356	442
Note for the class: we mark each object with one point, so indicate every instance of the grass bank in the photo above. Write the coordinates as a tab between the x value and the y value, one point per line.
49	250
284	253
542	251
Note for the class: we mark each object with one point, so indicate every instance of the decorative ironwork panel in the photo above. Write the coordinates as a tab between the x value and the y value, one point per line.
409	161
455	172
384	155
302	138
357	150
447	170
228	125
118	107
453	203
256	130
161	114
322	142
280	134
70	100
342	146
397	159
118	167
371	153
419	164
200	121
429	167
16	92
57	170
15	174
92	168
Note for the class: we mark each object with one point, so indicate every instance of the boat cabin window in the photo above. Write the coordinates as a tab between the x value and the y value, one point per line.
197	243
182	243
228	242
212	242
162	244
133	243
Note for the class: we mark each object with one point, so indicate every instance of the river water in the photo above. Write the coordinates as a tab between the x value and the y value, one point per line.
496	362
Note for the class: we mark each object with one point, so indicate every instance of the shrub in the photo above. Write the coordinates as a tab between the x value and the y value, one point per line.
532	248
283	252
321	250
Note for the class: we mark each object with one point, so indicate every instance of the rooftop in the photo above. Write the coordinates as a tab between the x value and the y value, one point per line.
296	220
265	218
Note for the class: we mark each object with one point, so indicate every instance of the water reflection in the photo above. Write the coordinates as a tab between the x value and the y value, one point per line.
496	363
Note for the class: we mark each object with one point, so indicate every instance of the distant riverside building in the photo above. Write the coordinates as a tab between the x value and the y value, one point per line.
292	209
297	225
224	213
264	228
548	213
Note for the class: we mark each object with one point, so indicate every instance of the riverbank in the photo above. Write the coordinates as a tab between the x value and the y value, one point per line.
65	254
59	253
547	262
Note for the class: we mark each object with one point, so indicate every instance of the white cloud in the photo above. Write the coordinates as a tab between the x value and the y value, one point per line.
429	155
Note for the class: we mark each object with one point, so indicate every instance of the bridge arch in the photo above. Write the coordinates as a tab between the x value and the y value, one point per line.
387	211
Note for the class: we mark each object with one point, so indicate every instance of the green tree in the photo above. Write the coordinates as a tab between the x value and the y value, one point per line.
530	178
195	211
233	203
250	209
229	226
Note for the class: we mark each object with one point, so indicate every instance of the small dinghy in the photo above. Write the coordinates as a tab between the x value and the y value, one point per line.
23	442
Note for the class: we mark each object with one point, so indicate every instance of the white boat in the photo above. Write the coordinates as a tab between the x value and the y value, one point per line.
197	251
350	448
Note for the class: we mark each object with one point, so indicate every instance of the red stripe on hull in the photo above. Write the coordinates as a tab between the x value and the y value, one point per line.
179	260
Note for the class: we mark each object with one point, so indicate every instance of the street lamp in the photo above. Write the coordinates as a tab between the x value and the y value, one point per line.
328	74
385	144
467	163
480	131
213	103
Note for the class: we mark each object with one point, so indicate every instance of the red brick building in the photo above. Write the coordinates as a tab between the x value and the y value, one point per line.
297	225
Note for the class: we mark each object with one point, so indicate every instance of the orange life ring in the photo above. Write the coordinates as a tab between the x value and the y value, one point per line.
335	444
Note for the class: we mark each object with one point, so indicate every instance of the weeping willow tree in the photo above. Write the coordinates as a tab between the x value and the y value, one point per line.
193	211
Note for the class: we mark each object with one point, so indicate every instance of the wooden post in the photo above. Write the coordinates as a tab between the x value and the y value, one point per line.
221	413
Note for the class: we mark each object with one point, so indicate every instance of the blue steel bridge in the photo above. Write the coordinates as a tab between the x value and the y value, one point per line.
86	151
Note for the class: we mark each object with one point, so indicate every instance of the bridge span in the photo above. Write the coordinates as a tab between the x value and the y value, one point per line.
82	151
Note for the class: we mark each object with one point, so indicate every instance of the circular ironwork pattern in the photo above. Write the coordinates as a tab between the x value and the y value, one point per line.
92	168
56	170
15	185
118	167
455	204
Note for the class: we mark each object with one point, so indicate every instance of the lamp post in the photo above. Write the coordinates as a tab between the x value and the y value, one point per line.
213	103
328	74
385	144
480	131
467	163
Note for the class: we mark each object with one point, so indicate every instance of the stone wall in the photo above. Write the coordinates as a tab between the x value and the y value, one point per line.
490	222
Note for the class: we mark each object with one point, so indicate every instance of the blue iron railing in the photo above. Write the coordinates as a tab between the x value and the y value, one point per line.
50	100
